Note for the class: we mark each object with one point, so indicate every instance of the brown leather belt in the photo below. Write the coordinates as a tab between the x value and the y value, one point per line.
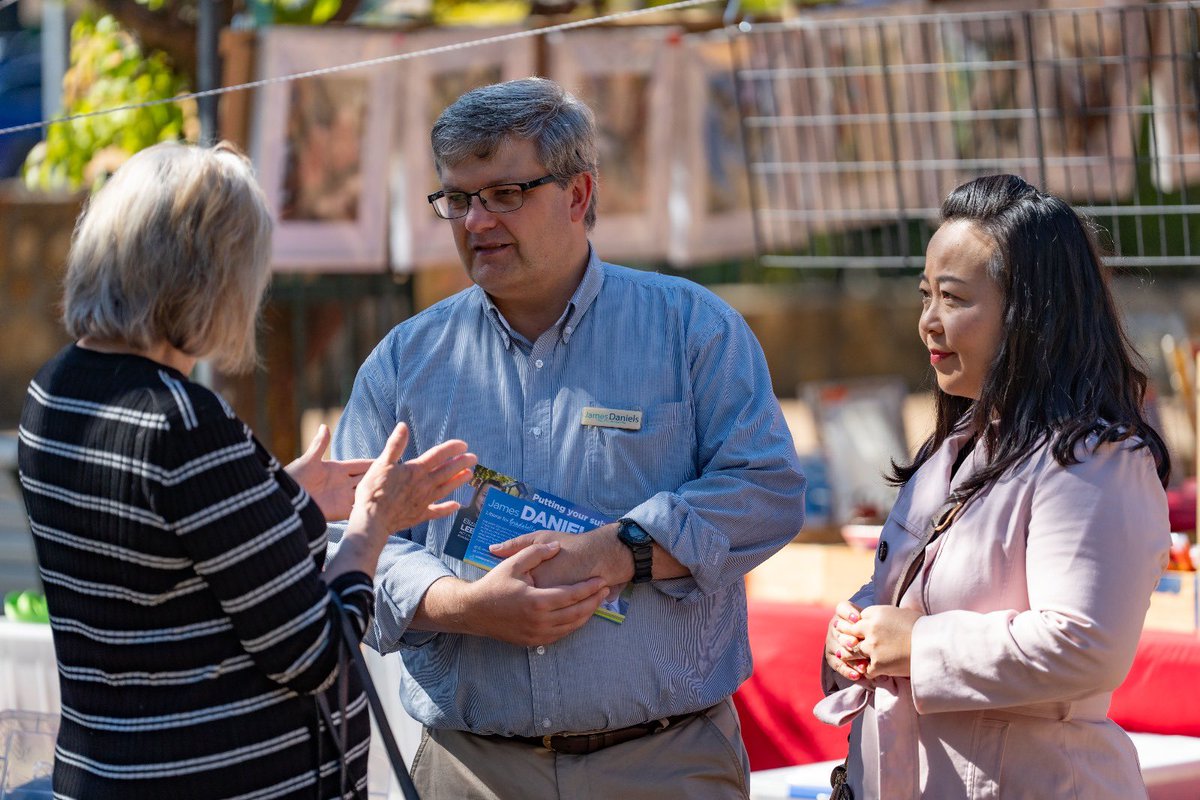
581	744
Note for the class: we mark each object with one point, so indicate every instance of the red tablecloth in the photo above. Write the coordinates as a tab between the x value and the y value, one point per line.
775	704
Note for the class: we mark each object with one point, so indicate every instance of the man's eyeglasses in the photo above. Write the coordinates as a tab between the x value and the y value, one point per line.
499	199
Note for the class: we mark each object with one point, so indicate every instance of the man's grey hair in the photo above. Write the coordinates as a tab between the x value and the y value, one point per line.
561	127
174	248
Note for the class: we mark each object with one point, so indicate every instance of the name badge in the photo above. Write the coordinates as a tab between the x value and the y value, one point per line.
612	418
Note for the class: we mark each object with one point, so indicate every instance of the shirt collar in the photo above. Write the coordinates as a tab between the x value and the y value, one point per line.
577	306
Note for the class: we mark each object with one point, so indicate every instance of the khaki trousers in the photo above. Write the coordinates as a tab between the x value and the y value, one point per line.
701	759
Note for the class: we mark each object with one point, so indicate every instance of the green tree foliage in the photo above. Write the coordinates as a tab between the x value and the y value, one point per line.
108	69
150	58
297	12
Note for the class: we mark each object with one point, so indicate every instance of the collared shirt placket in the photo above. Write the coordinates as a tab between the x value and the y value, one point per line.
536	370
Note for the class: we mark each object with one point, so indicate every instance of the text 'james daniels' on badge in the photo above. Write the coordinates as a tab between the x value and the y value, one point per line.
612	418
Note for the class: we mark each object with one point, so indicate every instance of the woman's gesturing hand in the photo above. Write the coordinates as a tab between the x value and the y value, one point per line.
394	494
841	649
331	484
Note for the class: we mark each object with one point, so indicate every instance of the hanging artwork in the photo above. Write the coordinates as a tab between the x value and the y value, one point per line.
849	133
1090	68
627	77
419	239
320	147
710	209
981	84
1174	85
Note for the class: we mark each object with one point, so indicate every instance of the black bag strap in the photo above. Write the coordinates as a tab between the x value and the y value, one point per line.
353	644
337	733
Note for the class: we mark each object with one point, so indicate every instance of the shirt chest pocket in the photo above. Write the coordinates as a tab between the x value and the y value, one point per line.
626	467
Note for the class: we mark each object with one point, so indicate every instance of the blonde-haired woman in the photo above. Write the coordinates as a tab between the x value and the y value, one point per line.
194	618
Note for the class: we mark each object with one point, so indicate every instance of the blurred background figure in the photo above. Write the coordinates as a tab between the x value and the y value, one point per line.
20	89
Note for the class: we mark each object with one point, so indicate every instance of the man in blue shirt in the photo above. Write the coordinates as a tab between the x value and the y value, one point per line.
642	396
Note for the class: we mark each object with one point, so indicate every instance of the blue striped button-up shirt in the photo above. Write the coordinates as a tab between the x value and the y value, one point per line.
711	474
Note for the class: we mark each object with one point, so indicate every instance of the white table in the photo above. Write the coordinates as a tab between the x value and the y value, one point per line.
1170	765
28	669
1170	768
385	672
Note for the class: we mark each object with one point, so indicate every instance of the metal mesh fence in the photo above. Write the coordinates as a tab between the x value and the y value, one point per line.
855	127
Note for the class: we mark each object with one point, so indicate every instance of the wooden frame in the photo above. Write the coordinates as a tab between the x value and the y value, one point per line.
626	76
1175	135
419	239
710	208
320	146
1090	69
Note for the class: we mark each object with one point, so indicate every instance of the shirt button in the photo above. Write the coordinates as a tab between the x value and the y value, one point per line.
536	431
546	723
883	548
541	651
567	330
538	363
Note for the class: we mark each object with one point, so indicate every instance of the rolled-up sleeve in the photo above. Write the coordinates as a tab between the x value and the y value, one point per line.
747	500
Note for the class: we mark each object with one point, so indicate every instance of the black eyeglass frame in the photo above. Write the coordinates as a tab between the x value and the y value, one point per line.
524	187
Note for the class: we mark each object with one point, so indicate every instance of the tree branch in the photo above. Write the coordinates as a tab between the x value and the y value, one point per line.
164	30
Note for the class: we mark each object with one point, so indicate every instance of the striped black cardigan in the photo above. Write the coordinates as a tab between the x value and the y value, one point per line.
181	566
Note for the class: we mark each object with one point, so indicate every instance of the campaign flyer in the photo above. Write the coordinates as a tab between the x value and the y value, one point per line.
503	508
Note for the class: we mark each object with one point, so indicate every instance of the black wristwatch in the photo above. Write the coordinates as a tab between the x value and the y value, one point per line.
639	542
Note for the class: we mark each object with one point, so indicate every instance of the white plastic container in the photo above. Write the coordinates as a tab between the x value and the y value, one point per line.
26	754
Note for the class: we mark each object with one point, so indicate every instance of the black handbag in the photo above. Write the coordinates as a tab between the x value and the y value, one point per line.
354	647
938	523
837	779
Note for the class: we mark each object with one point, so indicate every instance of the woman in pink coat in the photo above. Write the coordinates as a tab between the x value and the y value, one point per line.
991	677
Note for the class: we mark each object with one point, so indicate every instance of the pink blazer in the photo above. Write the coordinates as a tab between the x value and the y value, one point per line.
1034	601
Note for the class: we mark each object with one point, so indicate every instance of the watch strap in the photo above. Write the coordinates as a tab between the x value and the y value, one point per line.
634	536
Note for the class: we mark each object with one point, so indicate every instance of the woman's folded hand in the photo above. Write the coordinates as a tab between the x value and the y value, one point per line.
885	634
841	649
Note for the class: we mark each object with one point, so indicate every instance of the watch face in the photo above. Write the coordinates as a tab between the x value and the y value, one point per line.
633	533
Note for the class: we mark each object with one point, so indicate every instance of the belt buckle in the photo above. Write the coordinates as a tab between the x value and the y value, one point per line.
567	743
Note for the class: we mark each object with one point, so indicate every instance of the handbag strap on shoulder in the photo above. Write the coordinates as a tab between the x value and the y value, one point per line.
939	523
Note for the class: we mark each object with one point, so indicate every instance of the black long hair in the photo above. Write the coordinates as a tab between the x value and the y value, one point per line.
1065	368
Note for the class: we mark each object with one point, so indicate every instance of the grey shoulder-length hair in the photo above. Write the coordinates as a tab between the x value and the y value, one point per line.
174	248
560	125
